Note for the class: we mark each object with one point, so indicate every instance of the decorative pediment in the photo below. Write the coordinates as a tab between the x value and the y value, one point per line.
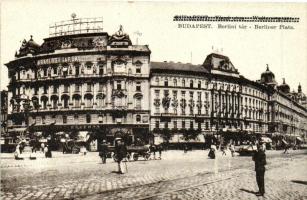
119	39
138	63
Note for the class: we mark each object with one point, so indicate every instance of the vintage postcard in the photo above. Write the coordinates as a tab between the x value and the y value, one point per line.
153	100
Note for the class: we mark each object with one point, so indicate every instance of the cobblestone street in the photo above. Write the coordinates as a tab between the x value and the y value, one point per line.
176	176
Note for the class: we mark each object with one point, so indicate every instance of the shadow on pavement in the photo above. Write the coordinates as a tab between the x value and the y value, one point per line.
298	181
248	191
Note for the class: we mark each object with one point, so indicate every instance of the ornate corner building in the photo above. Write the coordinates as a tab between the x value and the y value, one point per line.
87	80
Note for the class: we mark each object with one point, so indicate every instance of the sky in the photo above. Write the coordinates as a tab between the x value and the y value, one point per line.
285	51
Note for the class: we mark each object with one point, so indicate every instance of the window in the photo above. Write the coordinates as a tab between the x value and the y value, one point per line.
175	124
138	118
191	83
157	81
199	84
157	124
191	125
183	83
138	86
89	87
45	71
35	90
55	103
44	103
138	70
55	89
100	118
100	87
138	103
207	125
88	102
166	82
101	70
183	124
43	119
118	85
64	119
88	118
66	102
175	82
77	102
55	70
76	118
199	125
166	125
89	66
77	88
66	88
157	93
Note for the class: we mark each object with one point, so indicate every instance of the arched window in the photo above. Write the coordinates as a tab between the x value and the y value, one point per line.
76	99
175	82
88	100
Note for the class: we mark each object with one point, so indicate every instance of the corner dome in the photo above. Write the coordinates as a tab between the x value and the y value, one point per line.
28	47
267	73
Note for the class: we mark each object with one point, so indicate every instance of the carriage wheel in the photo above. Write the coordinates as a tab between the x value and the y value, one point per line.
135	156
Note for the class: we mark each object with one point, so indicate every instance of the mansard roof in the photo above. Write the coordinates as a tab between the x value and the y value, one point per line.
177	67
219	62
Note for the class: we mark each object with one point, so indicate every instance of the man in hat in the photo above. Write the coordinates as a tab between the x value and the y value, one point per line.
103	151
121	153
259	158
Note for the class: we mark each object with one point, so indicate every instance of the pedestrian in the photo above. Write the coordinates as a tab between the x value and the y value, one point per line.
211	153
160	148
43	147
121	152
103	151
223	149
232	149
185	148
153	150
286	147
259	158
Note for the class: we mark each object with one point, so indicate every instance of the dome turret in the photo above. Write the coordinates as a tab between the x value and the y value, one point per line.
284	87
268	77
28	47
299	89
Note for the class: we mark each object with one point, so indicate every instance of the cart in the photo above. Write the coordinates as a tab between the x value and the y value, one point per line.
133	152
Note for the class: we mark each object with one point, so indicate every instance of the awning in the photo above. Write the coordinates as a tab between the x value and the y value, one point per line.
266	140
299	138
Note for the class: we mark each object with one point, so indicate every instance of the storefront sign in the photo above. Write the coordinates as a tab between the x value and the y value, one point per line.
70	59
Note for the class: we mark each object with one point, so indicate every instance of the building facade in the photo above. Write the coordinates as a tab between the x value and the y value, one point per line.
91	82
4	110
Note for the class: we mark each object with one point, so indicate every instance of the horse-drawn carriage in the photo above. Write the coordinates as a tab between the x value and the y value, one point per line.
133	152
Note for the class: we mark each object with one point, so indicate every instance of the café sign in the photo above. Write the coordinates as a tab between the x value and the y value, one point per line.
70	59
